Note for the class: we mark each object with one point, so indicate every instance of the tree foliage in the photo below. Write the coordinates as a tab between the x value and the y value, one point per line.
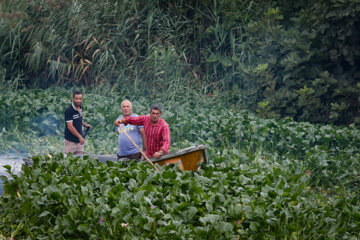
299	57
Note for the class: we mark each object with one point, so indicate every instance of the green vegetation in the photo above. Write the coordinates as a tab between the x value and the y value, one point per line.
267	179
76	199
299	58
213	64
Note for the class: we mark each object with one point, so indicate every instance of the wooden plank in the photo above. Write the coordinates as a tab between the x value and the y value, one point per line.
172	161
191	158
183	152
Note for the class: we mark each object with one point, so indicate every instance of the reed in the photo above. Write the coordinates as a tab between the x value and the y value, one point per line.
208	47
95	42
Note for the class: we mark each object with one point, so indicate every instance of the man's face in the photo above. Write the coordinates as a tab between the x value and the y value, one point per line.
126	108
77	99
155	115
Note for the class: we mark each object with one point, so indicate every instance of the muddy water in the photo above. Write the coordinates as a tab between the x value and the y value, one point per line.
15	161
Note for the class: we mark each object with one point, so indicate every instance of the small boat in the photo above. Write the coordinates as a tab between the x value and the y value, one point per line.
190	158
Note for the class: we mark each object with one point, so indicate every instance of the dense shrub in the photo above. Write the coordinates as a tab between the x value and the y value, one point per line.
281	58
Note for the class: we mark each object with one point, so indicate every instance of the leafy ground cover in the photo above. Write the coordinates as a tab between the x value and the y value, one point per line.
73	198
266	179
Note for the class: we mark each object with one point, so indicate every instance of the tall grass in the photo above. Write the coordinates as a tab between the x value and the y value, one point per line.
258	51
142	45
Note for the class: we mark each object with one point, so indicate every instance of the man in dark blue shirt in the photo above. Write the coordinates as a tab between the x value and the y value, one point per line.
74	141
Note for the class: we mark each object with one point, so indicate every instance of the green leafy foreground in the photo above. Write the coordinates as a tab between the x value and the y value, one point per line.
73	198
266	179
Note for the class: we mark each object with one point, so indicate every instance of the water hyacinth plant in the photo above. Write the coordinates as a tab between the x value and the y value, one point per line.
74	198
266	178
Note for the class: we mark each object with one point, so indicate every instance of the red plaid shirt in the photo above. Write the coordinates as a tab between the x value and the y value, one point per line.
157	135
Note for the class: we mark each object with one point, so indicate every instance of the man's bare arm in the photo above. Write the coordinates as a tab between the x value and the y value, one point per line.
86	124
73	130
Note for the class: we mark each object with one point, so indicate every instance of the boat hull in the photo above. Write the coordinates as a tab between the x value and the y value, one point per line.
188	159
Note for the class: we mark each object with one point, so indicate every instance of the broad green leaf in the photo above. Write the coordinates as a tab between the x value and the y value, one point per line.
210	218
224	227
84	228
254	226
44	214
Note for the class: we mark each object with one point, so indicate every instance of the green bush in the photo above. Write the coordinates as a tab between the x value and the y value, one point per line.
301	57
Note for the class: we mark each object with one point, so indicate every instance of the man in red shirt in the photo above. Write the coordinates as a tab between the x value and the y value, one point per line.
157	131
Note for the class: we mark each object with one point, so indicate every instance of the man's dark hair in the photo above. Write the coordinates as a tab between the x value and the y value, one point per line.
76	92
157	107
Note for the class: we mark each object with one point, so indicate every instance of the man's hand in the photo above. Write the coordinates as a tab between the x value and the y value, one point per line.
87	125
158	154
82	140
118	122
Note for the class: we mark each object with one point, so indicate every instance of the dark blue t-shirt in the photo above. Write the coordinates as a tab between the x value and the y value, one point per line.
74	116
